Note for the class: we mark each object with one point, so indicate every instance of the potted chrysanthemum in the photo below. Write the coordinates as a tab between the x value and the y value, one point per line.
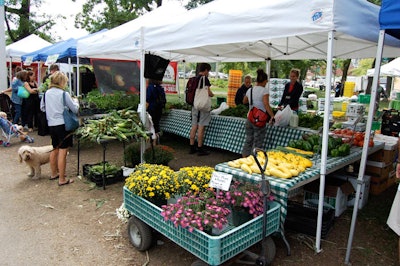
193	179
203	211
245	200
152	181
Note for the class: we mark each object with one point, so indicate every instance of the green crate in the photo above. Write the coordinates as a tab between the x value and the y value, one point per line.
214	250
364	98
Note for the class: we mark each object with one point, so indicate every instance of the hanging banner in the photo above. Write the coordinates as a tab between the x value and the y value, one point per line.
170	77
119	75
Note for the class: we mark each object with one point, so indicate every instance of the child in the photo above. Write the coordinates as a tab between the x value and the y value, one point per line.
8	130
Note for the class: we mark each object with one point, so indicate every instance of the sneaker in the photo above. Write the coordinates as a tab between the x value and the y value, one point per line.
29	139
201	151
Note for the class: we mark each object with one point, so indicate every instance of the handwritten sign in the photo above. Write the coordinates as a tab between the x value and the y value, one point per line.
220	180
51	59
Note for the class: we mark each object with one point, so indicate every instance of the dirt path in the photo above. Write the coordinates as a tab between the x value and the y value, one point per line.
44	224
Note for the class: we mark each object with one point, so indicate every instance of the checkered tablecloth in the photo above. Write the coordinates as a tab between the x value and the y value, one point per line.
281	187
227	133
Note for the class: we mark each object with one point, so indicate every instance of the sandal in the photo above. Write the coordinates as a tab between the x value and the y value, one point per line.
54	178
69	181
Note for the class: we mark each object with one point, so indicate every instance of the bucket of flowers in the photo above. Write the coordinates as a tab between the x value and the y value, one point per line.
245	201
203	211
153	182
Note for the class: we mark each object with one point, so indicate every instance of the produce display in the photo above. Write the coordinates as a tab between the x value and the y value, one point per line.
280	164
353	137
122	125
313	142
310	120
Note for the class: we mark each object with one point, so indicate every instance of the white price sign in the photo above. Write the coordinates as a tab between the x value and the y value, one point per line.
221	180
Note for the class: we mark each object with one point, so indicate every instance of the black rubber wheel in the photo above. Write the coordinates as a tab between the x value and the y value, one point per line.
199	263
270	251
139	234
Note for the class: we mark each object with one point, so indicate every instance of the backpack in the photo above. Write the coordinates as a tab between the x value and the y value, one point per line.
190	91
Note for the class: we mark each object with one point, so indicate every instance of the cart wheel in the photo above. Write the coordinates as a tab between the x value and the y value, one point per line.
199	263
271	250
139	234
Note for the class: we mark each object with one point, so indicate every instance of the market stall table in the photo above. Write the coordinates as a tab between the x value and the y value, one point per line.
227	132
282	189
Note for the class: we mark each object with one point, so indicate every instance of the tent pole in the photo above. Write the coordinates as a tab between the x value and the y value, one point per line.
142	105
70	75
325	131
3	66
78	76
364	154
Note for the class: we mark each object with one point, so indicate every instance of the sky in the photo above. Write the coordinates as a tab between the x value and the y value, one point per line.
65	29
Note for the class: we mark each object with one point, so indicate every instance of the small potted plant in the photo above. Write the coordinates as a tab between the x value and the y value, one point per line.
153	182
159	154
193	179
245	200
201	211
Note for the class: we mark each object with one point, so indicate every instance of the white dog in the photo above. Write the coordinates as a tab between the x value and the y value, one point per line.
34	157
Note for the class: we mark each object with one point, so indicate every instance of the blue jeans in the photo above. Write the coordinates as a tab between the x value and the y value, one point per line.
18	111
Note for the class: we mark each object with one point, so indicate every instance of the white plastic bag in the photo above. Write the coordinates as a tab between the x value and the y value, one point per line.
202	101
282	117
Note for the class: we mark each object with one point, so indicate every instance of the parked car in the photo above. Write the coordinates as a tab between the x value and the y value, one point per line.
181	74
191	73
220	75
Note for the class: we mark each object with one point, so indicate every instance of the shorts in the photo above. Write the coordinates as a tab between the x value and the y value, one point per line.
200	118
60	138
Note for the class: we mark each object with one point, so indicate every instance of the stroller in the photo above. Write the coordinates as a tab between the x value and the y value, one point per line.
9	130
6	105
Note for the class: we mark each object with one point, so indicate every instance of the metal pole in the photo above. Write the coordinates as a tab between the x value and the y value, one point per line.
324	151
3	67
364	154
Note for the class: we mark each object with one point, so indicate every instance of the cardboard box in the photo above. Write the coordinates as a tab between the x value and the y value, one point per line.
391	179
389	152
365	186
378	185
335	195
378	169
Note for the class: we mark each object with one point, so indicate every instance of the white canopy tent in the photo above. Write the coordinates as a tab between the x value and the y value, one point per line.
26	45
390	69
258	30
276	29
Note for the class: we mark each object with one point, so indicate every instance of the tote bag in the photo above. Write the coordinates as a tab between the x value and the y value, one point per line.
70	119
202	101
257	117
23	92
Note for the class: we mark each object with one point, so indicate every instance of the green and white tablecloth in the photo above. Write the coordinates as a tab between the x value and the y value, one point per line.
227	133
281	187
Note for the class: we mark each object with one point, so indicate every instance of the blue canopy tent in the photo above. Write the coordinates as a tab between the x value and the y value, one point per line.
389	21
65	52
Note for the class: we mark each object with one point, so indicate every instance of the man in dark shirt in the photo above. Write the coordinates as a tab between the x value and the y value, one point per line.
241	92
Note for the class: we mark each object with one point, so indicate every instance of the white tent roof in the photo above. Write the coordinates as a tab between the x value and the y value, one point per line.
25	45
230	30
124	41
390	69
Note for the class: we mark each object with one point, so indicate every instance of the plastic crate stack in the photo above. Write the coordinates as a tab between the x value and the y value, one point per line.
234	83
276	88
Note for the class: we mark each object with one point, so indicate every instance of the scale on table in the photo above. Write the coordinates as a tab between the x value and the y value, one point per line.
355	114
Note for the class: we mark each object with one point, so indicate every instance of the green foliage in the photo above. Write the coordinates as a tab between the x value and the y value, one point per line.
22	23
116	12
238	111
118	100
162	154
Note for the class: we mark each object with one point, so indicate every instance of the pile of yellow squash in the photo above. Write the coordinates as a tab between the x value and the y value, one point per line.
280	164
